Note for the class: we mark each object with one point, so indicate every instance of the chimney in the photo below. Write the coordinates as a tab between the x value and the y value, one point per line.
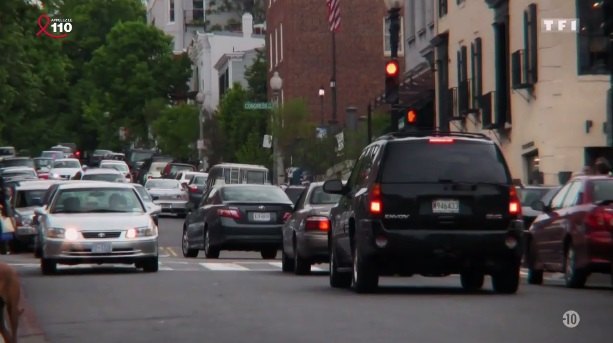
247	25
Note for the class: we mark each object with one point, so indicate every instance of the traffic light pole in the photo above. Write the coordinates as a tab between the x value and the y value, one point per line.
394	18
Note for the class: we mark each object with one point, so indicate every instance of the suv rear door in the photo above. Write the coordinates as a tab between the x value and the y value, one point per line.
444	183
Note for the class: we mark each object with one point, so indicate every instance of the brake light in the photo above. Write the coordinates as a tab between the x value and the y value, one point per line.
443	140
229	213
317	224
375	206
193	188
167	169
514	203
286	216
600	219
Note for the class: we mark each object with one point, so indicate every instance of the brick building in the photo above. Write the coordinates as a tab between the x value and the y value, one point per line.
299	47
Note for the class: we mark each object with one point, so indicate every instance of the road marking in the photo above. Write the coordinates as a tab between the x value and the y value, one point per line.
163	267
223	266
276	264
171	251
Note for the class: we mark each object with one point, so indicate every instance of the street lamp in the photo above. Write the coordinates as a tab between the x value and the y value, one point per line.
276	84
322	92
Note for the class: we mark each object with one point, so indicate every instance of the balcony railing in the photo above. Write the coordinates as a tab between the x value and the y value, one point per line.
488	109
194	17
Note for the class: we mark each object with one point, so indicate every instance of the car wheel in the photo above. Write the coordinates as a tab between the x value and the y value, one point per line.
301	266
209	251
269	253
573	277
337	279
287	264
47	266
187	252
365	277
535	277
472	280
151	265
506	280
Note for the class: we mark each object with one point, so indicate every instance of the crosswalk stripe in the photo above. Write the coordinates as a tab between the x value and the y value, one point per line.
276	264
223	266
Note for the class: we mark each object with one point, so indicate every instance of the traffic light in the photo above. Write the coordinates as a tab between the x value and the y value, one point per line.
406	118
392	82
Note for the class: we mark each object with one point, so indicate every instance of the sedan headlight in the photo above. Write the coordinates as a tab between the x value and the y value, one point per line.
69	234
145	231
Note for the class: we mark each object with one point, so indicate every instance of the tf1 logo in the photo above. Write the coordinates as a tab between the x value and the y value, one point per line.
60	27
560	25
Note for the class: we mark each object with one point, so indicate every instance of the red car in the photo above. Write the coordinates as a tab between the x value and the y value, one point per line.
574	234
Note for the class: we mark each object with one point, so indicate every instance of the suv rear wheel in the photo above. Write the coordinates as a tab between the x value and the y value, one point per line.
187	252
365	277
506	279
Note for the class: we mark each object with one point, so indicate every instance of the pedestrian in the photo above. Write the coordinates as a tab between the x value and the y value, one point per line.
602	166
7	222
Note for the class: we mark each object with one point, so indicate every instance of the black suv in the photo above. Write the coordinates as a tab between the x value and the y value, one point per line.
431	203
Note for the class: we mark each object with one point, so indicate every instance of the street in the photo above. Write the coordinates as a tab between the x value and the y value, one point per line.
242	298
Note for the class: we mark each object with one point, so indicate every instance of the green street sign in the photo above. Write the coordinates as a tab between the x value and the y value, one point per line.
258	106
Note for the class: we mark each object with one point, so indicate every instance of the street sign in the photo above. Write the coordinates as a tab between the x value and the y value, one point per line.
201	144
252	106
340	139
267	143
321	132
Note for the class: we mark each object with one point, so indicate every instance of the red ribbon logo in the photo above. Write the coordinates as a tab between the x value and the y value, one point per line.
43	27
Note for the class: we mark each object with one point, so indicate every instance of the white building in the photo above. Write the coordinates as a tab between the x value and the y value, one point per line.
208	48
178	18
231	68
541	95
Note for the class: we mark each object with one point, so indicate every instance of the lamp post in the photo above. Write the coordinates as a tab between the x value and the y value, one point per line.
200	145
322	92
276	84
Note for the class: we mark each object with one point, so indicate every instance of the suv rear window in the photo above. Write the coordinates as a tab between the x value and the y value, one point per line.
603	189
460	161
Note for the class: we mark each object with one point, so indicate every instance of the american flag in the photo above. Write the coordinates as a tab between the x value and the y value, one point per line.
334	14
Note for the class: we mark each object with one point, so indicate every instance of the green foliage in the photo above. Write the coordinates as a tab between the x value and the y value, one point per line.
257	77
135	65
177	130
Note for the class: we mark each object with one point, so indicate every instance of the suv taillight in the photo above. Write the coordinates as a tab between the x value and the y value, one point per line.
317	224
375	205
229	213
514	203
599	219
192	188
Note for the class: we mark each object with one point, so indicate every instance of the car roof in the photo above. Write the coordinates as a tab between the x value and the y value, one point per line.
428	134
238	165
195	173
591	177
44	158
17	158
67	159
35	185
6	169
101	171
238	185
113	162
537	187
95	184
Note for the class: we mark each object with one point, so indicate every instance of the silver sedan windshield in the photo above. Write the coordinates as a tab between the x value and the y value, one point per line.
96	200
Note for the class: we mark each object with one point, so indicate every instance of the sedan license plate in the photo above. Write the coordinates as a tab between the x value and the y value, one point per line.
166	206
261	217
445	206
102	248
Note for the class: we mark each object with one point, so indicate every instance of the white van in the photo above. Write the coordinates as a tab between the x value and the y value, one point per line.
235	173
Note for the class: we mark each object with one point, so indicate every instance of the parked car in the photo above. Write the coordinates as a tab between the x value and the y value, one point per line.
430	203
97	222
18	171
17	162
305	234
237	217
120	166
170	195
7	152
53	154
528	195
65	169
294	192
574	234
103	174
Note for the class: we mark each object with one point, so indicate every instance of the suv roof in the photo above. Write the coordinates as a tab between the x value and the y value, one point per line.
433	133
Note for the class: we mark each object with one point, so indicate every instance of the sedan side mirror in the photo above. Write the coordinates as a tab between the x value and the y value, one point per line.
334	187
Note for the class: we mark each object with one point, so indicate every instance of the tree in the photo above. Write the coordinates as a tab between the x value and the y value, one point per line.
135	65
257	78
176	130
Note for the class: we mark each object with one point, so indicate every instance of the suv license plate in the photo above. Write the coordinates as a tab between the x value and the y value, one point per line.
445	206
102	248
261	217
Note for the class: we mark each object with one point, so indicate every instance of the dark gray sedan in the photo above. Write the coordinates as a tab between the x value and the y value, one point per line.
305	235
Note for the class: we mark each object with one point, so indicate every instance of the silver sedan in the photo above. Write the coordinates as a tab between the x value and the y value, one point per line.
97	222
169	194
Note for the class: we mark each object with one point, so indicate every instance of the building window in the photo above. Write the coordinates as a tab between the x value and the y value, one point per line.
276	47
593	42
459	2
281	39
171	11
270	60
476	69
198	6
430	13
442	8
524	64
387	48
463	95
421	16
412	22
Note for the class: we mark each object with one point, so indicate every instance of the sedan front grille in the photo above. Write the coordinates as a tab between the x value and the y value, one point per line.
101	234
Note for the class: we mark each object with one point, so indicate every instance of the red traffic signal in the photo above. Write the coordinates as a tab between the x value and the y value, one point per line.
411	116
392	68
